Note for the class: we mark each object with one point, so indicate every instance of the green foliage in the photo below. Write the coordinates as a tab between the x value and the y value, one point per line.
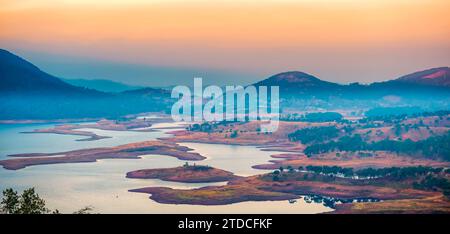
275	178
10	201
396	114
392	111
204	127
333	170
194	167
392	172
434	183
322	117
28	202
434	147
315	134
346	143
200	168
290	169
314	117
85	210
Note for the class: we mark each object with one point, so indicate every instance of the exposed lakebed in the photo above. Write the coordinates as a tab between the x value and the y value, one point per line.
103	184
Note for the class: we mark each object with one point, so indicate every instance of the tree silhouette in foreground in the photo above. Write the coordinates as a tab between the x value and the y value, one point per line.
29	202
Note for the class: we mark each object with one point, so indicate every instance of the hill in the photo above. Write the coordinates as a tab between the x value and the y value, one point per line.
29	93
101	85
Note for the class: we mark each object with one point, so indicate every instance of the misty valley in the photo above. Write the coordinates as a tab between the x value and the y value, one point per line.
337	148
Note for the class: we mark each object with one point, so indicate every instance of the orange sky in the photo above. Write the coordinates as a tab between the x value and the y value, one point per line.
335	40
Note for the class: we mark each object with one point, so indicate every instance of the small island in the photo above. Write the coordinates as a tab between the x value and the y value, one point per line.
127	151
138	125
392	190
213	195
186	174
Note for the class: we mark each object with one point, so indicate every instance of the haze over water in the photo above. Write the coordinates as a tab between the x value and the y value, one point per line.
102	184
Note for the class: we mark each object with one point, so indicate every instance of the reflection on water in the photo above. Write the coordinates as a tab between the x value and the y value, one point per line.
12	141
180	125
69	187
103	184
331	202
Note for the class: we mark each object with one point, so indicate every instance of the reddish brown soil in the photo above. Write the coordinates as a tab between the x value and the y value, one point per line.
186	174
133	150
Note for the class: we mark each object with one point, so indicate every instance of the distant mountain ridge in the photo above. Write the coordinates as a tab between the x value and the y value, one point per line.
426	89
29	93
19	75
300	85
439	76
298	82
101	85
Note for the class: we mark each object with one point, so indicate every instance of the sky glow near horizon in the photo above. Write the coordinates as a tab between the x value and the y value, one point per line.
228	41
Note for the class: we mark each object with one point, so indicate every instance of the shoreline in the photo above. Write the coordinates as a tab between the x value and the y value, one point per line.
102	124
52	121
380	160
250	188
184	174
132	151
260	188
167	196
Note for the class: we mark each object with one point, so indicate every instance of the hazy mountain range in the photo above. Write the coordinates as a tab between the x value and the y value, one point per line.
29	93
428	89
295	82
102	85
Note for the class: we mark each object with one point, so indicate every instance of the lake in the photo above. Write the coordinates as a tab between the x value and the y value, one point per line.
103	185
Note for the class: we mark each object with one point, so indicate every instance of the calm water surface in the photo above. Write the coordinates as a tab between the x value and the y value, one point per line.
69	187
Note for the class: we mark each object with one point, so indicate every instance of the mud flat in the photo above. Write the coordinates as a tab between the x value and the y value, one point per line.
247	134
380	159
140	125
70	130
212	195
295	184
218	138
133	150
430	205
186	174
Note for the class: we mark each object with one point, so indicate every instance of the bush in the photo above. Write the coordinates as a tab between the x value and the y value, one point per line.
315	134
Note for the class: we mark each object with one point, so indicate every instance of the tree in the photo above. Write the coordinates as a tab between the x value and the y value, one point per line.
275	178
314	134
85	210
10	202
290	169
29	202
